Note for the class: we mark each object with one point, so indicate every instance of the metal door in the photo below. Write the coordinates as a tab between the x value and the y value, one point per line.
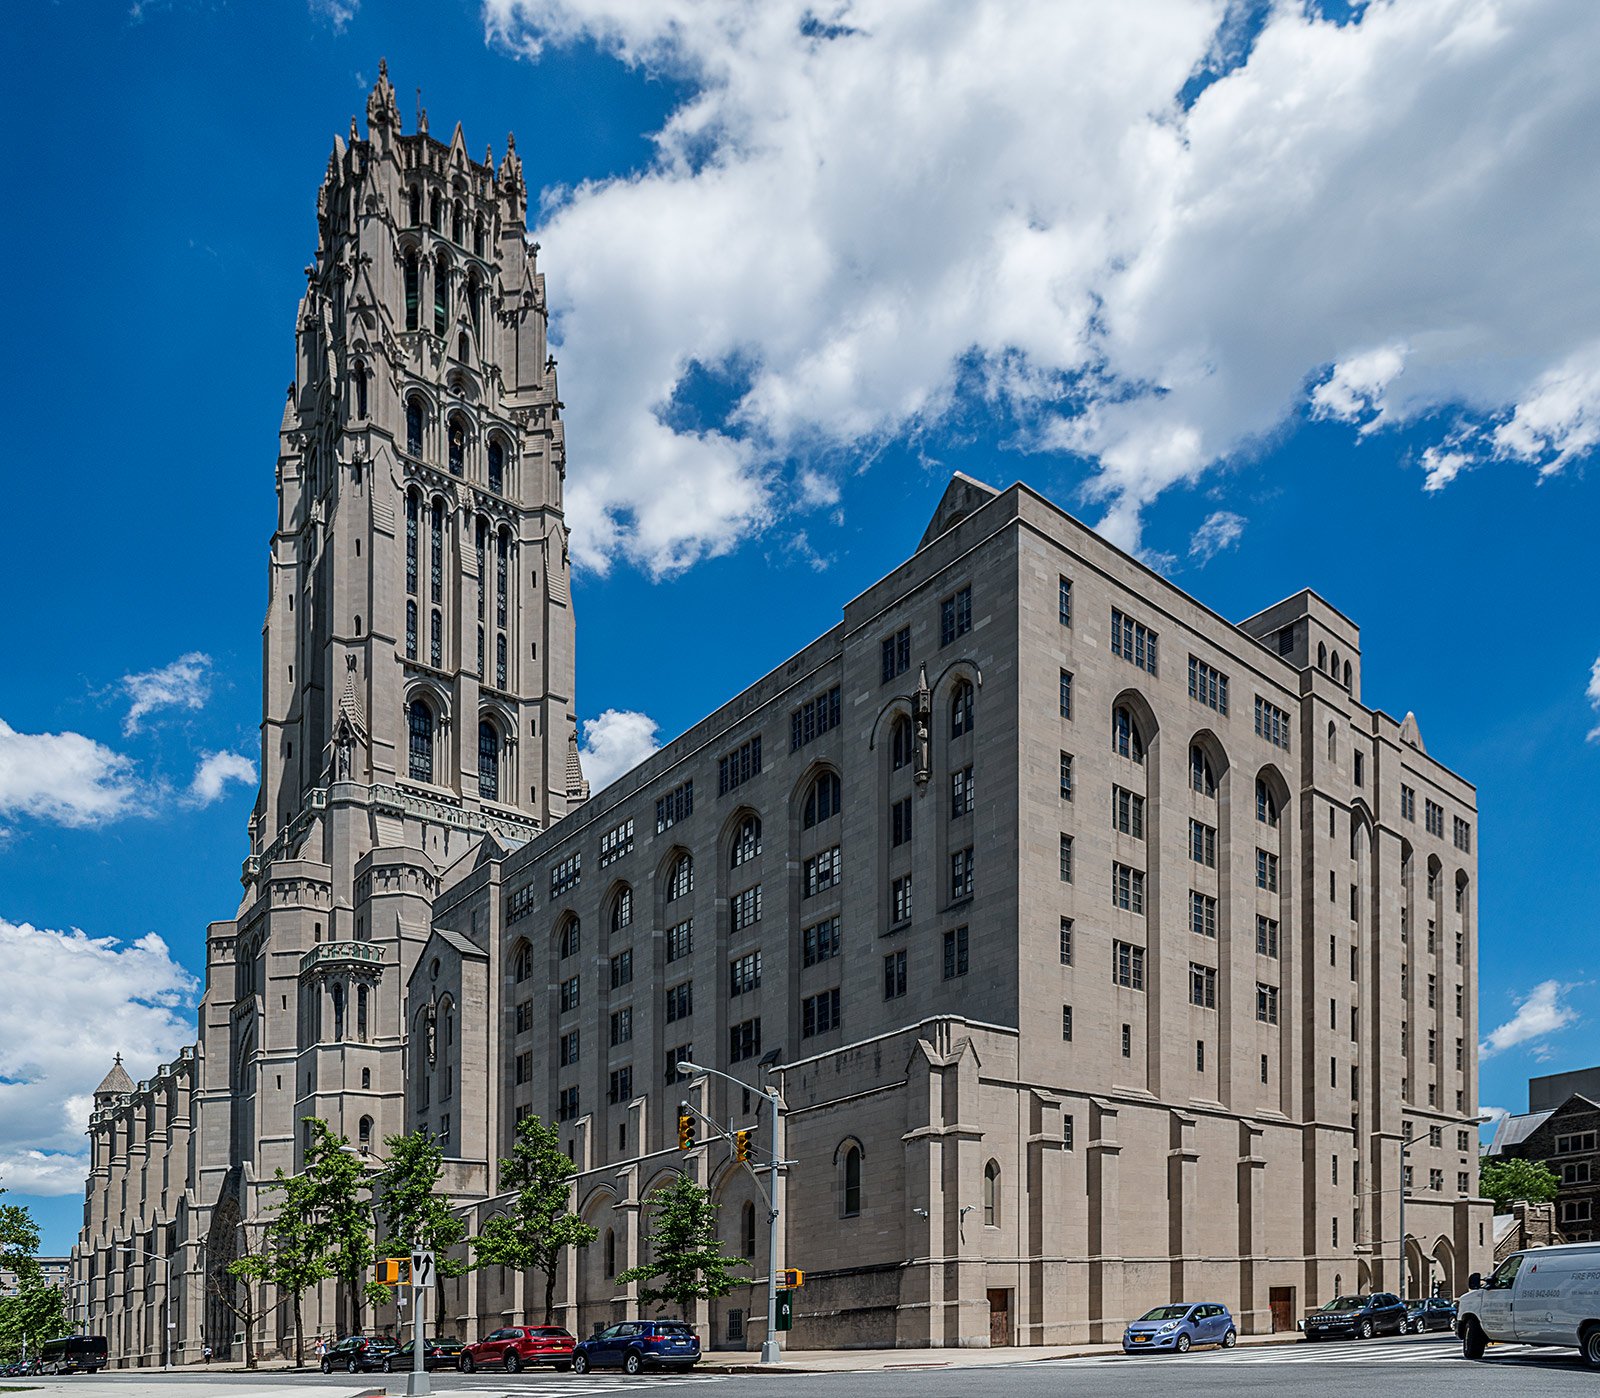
999	1317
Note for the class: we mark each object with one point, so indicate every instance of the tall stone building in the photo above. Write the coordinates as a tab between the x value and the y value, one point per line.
1103	951
417	692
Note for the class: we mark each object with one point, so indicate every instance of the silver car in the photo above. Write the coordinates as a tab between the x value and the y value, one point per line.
1181	1326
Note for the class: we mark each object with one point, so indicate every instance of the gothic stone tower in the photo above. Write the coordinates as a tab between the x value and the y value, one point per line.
417	651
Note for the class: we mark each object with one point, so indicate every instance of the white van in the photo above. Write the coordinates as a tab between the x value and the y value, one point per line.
1543	1296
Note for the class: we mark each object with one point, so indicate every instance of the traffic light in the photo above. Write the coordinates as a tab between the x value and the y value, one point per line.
741	1145
791	1278
394	1271
686	1127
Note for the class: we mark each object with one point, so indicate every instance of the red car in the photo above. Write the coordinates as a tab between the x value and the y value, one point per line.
520	1345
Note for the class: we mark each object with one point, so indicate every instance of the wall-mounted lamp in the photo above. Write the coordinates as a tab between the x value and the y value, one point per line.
920	1213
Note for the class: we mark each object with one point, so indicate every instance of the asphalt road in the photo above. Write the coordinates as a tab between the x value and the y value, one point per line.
1415	1366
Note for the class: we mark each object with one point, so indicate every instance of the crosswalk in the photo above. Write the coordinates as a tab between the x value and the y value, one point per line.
538	1384
1424	1349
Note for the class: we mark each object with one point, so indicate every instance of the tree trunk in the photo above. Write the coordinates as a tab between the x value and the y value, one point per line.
248	1320
299	1335
550	1295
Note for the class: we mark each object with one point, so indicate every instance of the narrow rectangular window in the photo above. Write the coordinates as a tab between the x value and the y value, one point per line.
1066	776
1064	601
900	822
1066	694
955	953
1202	914
1203	843
897	654
1127	888
1066	941
900	900
1066	1022
1127	812
961	875
1203	986
1066	859
894	975
961	792
1127	965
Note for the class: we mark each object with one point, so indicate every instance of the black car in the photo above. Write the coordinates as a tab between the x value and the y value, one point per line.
1432	1313
1350	1317
358	1354
636	1345
436	1354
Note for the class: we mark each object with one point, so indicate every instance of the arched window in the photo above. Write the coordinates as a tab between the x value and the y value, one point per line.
680	878
1461	893
961	709
366	1077
1347	674
611	1252
747	1232
413	509
361	390
436	212
1201	777
522	963
441	295
414	204
850	1193
991	1194
336	995
361	1013
823	799
413	276
477	236
497	467
1126	740
622	909
488	761
571	937
458	224
411	629
1322	655
1266	803
420	729
464	345
483	576
500	662
474	301
436	553
1333	744
414	426
364	1134
457	444
483	677
902	744
436	640
746	841
502	549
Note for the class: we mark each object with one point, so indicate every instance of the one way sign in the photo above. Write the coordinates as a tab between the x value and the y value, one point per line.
422	1269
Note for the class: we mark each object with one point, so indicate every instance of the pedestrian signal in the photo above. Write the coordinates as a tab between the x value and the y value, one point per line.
394	1271
791	1278
741	1145
686	1128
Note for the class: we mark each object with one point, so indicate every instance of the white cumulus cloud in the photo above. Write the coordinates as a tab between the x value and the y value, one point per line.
863	210
616	742
1218	531
184	684
1592	693
215	771
64	777
71	1002
1442	464
1540	1014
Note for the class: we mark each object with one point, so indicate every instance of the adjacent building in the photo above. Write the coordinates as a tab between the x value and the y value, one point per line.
1103	950
1561	1129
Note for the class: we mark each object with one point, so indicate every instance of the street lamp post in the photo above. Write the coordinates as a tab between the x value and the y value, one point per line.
1405	1147
166	1302
771	1346
417	1381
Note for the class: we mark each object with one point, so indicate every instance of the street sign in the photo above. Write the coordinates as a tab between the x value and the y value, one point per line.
422	1269
786	1310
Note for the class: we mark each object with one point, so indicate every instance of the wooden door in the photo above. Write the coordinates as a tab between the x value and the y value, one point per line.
1281	1300
999	1317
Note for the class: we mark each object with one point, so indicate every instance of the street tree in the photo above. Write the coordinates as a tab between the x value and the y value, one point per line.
335	1208
32	1312
538	1225
1509	1180
294	1256
238	1287
415	1216
686	1263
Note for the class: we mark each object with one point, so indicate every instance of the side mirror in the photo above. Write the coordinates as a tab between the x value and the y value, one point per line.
1474	1281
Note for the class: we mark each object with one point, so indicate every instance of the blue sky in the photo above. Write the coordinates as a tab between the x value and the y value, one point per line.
803	269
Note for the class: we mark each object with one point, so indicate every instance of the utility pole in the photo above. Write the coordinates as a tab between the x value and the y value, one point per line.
166	1302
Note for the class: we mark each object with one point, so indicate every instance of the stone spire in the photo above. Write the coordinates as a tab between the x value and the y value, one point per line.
383	112
115	1082
577	787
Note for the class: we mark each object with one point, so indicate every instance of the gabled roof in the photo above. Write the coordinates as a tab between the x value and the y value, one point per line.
1513	1130
961	497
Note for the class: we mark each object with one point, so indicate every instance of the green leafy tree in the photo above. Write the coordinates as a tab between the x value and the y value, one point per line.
414	1214
36	1312
687	1263
334	1207
294	1257
538	1225
1509	1180
19	1238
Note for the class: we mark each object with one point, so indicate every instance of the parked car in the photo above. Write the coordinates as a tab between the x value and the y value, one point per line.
516	1346
357	1354
1350	1317
436	1354
1180	1326
636	1345
1544	1296
1431	1313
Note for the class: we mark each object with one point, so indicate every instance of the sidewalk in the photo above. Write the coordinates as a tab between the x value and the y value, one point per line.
843	1361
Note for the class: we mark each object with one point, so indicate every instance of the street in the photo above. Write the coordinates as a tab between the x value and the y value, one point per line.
1423	1365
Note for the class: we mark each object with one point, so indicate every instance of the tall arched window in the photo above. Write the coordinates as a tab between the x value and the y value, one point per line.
336	996
420	732
436	552
1126	740
436	212
413	275
1266	803
1333	744
458	225
823	799
746	841
411	629
497	467
502	549
850	1190
483	576
481	674
436	639
522	963
1201	776
474	301
1322	655
441	295
747	1232
458	444
413	509
366	1078
488	761
961	709
361	1013
477	236
500	662
611	1252
902	745
680	878
991	1194
622	909
571	938
414	204
414	426
361	390
1347	674
364	1134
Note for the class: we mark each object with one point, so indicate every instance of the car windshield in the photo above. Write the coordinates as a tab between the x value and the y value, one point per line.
1346	1303
1166	1313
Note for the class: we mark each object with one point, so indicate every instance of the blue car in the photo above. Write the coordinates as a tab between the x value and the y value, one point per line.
1180	1327
637	1345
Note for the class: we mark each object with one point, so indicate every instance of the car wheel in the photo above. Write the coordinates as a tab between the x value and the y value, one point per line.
513	1362
1182	1344
327	1366
465	1364
580	1363
1366	1330
634	1363
1474	1341
352	1367
1589	1343
1230	1339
